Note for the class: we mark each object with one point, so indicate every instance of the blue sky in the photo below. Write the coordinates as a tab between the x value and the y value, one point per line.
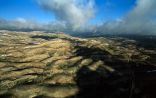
112	9
29	9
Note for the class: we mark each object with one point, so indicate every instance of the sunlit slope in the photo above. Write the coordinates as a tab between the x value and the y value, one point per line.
42	65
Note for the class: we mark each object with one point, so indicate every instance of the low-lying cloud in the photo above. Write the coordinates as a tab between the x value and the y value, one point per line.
142	17
18	24
21	24
141	20
73	16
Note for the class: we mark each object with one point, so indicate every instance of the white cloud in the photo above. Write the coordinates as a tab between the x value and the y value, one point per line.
22	20
75	13
139	20
72	16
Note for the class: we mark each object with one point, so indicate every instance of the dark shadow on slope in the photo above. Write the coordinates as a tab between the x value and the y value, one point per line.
97	84
44	37
144	41
7	95
94	53
98	54
41	96
130	80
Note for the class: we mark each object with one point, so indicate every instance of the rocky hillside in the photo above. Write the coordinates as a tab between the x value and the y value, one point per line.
56	65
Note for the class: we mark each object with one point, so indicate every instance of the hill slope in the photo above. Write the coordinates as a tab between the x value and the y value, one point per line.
44	65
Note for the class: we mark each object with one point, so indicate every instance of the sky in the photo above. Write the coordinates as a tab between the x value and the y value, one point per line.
29	9
115	16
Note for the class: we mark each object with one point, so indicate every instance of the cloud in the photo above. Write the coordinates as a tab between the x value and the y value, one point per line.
143	9
21	24
142	16
73	16
75	13
139	20
22	20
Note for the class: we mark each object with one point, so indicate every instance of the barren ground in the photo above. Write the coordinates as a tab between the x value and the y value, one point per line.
44	65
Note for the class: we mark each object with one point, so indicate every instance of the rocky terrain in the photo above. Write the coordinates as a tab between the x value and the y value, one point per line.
56	65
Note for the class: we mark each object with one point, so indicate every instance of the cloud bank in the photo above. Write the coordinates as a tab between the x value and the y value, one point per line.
21	24
141	20
18	24
73	16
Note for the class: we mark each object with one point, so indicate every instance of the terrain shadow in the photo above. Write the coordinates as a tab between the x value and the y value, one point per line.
94	84
44	37
98	54
144	41
129	80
